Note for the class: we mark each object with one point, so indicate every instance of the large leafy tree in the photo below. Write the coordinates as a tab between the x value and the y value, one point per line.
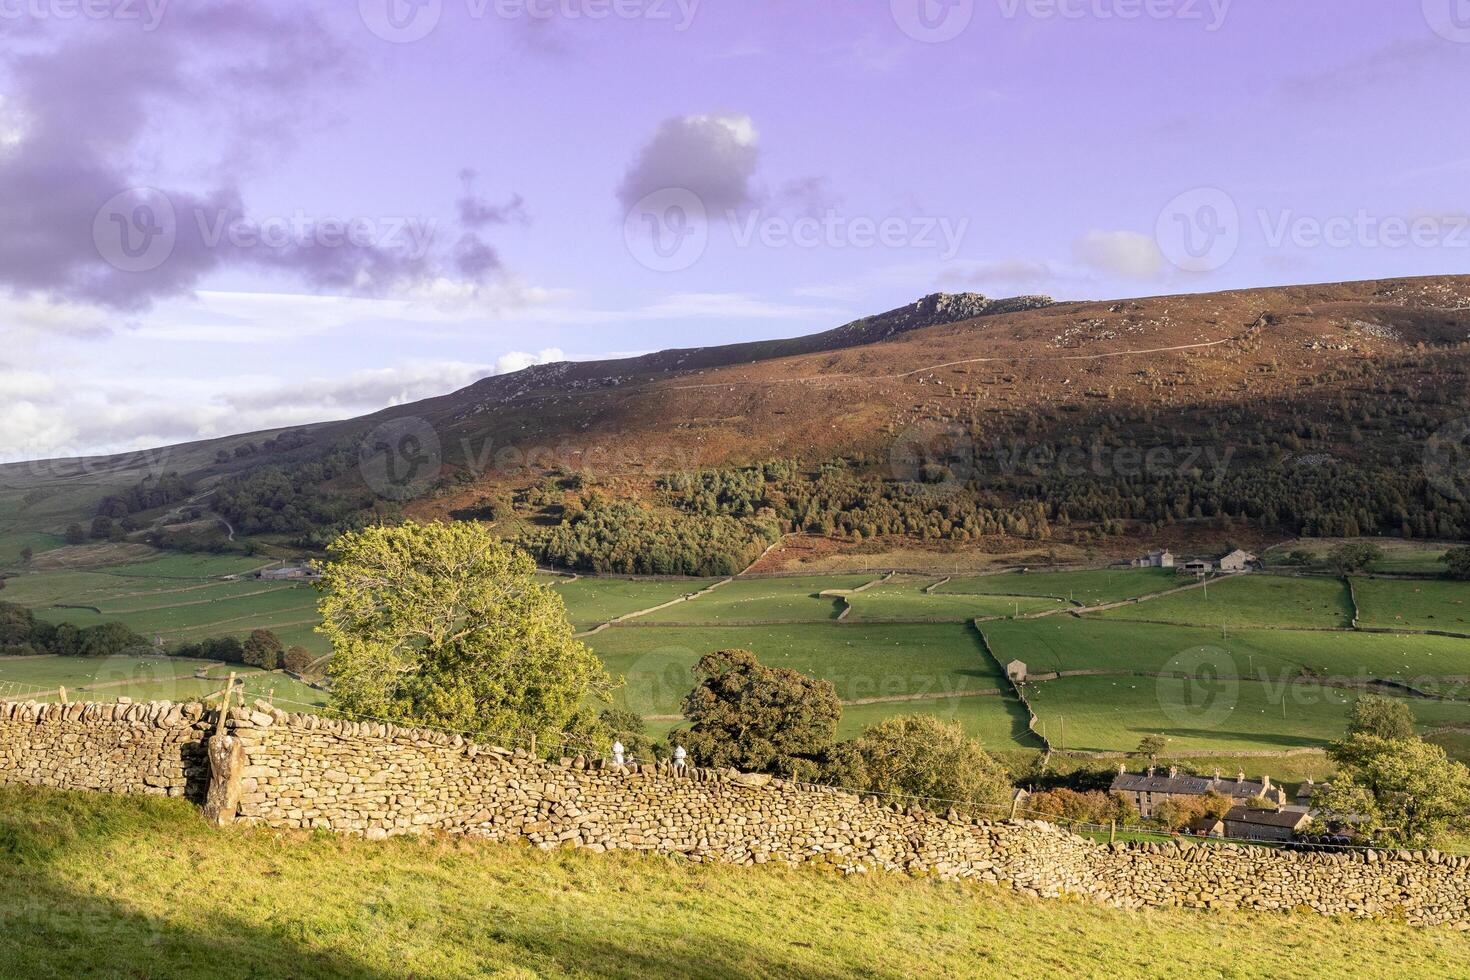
925	756
443	624
758	718
1409	792
1384	717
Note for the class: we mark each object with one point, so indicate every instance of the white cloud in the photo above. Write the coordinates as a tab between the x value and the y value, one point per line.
1121	253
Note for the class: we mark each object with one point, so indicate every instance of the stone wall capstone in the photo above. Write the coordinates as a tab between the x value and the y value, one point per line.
377	780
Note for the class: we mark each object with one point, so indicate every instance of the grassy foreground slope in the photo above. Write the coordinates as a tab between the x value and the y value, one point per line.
102	886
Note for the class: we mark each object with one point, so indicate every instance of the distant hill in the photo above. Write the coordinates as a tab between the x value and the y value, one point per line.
1357	375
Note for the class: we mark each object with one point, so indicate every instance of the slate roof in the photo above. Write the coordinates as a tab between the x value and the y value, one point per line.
1132	782
1289	819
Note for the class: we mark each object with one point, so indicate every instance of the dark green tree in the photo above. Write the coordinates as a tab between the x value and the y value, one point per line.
262	649
758	718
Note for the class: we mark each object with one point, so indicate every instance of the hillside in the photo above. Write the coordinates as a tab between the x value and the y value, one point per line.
93	881
1240	396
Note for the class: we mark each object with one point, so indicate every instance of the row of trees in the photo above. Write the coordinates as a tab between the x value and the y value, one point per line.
628	538
23	635
262	648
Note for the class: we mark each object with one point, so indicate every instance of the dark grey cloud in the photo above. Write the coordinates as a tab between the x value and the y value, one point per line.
714	156
81	112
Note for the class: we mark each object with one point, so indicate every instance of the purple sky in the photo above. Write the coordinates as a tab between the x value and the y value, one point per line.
524	180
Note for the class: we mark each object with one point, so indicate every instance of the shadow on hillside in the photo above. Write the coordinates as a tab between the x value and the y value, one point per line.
1215	734
273	925
49	928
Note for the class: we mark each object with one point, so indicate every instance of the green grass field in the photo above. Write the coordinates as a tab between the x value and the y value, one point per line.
591	601
103	886
904	598
931	650
1425	605
1398	555
1250	600
1088	643
139	678
998	723
763	600
1114	713
1088	588
862	661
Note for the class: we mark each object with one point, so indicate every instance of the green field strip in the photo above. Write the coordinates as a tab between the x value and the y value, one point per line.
861	661
1086	588
1249	600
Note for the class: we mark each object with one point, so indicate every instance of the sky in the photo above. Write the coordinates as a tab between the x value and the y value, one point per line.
221	216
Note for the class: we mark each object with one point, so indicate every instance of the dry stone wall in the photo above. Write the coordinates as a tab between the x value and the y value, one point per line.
303	771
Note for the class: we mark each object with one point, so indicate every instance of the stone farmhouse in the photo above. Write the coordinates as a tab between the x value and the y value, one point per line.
1252	823
1146	790
1016	671
1155	559
1238	561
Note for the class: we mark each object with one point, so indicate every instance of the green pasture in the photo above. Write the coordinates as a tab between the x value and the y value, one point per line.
1429	604
904	598
13	542
1249	600
192	618
151	678
1114	713
1092	587
862	661
1399	556
763	600
591	601
998	723
1063	643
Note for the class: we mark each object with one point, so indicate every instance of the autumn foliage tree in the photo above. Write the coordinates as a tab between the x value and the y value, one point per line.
445	625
